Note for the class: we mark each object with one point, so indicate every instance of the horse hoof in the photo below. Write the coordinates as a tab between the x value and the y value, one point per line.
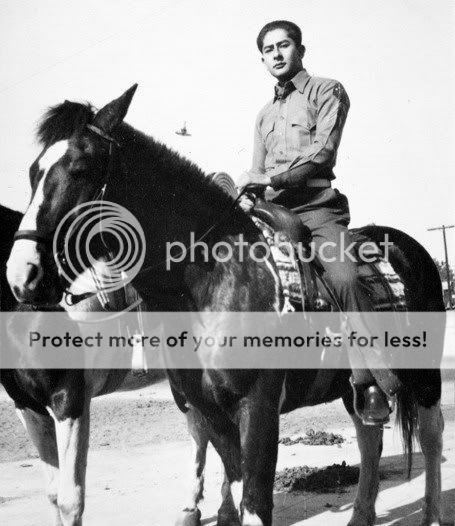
228	519
189	518
360	522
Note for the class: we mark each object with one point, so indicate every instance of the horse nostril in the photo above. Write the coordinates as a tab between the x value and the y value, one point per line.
17	291
33	274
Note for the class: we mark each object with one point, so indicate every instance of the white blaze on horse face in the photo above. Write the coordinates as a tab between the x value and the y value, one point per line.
24	255
53	154
45	163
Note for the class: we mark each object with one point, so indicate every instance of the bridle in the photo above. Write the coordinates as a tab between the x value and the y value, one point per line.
33	235
47	240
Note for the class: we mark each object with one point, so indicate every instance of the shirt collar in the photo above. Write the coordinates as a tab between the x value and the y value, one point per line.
298	80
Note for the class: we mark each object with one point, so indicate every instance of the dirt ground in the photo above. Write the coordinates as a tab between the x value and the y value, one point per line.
139	458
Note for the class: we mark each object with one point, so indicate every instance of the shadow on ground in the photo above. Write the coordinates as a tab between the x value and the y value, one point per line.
296	508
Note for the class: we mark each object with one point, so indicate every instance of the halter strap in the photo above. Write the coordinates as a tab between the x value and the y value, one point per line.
31	235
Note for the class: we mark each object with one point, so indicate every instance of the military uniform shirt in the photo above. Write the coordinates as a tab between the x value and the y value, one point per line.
303	127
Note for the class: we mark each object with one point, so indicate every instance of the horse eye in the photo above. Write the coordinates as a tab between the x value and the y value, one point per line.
78	168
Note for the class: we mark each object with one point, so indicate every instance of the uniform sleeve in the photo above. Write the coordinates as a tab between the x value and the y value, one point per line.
332	109
259	151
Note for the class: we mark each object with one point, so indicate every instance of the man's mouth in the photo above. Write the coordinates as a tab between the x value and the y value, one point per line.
279	65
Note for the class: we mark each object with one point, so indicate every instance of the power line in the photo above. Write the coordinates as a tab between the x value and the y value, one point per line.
449	284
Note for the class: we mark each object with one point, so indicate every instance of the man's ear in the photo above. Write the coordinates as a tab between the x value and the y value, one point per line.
111	115
302	51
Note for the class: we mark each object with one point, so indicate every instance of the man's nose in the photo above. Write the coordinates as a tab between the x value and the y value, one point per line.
277	54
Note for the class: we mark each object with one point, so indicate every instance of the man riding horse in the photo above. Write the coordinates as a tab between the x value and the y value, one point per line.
296	138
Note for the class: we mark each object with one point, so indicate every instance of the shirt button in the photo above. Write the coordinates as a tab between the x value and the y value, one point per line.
281	152
282	117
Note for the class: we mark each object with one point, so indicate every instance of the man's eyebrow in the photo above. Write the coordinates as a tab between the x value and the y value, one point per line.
285	40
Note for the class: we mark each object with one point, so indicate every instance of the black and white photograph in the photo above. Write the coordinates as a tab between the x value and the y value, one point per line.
227	242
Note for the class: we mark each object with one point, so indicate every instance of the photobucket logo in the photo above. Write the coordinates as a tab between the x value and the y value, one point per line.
81	233
341	250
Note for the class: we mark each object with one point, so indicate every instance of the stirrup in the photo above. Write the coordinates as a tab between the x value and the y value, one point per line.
376	410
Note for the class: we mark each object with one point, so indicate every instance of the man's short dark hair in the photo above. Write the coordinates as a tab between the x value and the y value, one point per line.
293	31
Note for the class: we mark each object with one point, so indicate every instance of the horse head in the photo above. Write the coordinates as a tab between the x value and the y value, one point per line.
73	169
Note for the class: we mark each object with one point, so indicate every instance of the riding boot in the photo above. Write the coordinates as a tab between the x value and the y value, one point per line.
372	383
371	404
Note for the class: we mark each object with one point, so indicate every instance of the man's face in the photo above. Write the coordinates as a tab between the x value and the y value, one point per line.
281	56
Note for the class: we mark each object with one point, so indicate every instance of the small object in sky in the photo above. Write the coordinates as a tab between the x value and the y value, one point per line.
183	131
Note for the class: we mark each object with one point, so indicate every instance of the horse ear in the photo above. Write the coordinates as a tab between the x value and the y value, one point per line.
113	113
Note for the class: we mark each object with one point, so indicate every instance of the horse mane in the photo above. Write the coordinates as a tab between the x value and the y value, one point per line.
60	122
193	191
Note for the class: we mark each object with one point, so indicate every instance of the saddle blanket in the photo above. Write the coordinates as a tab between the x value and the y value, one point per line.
385	286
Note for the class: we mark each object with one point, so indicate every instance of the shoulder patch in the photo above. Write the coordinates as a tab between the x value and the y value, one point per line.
340	93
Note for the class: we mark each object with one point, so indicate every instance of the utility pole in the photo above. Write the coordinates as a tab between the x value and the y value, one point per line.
449	284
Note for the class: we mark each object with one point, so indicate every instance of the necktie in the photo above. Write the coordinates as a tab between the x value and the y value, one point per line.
281	92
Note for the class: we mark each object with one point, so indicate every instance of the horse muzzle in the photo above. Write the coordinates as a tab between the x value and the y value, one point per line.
31	280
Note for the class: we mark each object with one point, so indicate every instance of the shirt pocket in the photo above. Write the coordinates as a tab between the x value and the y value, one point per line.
303	129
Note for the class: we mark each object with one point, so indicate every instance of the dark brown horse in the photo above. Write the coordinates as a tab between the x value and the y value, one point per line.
237	410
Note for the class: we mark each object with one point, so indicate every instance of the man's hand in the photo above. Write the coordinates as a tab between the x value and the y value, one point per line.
246	202
252	177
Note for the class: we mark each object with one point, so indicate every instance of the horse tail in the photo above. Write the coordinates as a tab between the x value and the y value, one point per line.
407	419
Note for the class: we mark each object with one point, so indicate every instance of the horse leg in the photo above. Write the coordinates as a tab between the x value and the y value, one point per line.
231	494
72	443
259	429
431	426
228	447
191	515
369	439
41	430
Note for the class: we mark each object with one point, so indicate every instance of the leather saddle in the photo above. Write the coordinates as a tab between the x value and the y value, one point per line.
379	276
315	295
281	219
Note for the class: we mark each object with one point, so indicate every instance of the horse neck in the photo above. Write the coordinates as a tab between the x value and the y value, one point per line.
161	188
153	177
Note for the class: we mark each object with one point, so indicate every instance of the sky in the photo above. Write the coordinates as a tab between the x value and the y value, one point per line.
196	61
